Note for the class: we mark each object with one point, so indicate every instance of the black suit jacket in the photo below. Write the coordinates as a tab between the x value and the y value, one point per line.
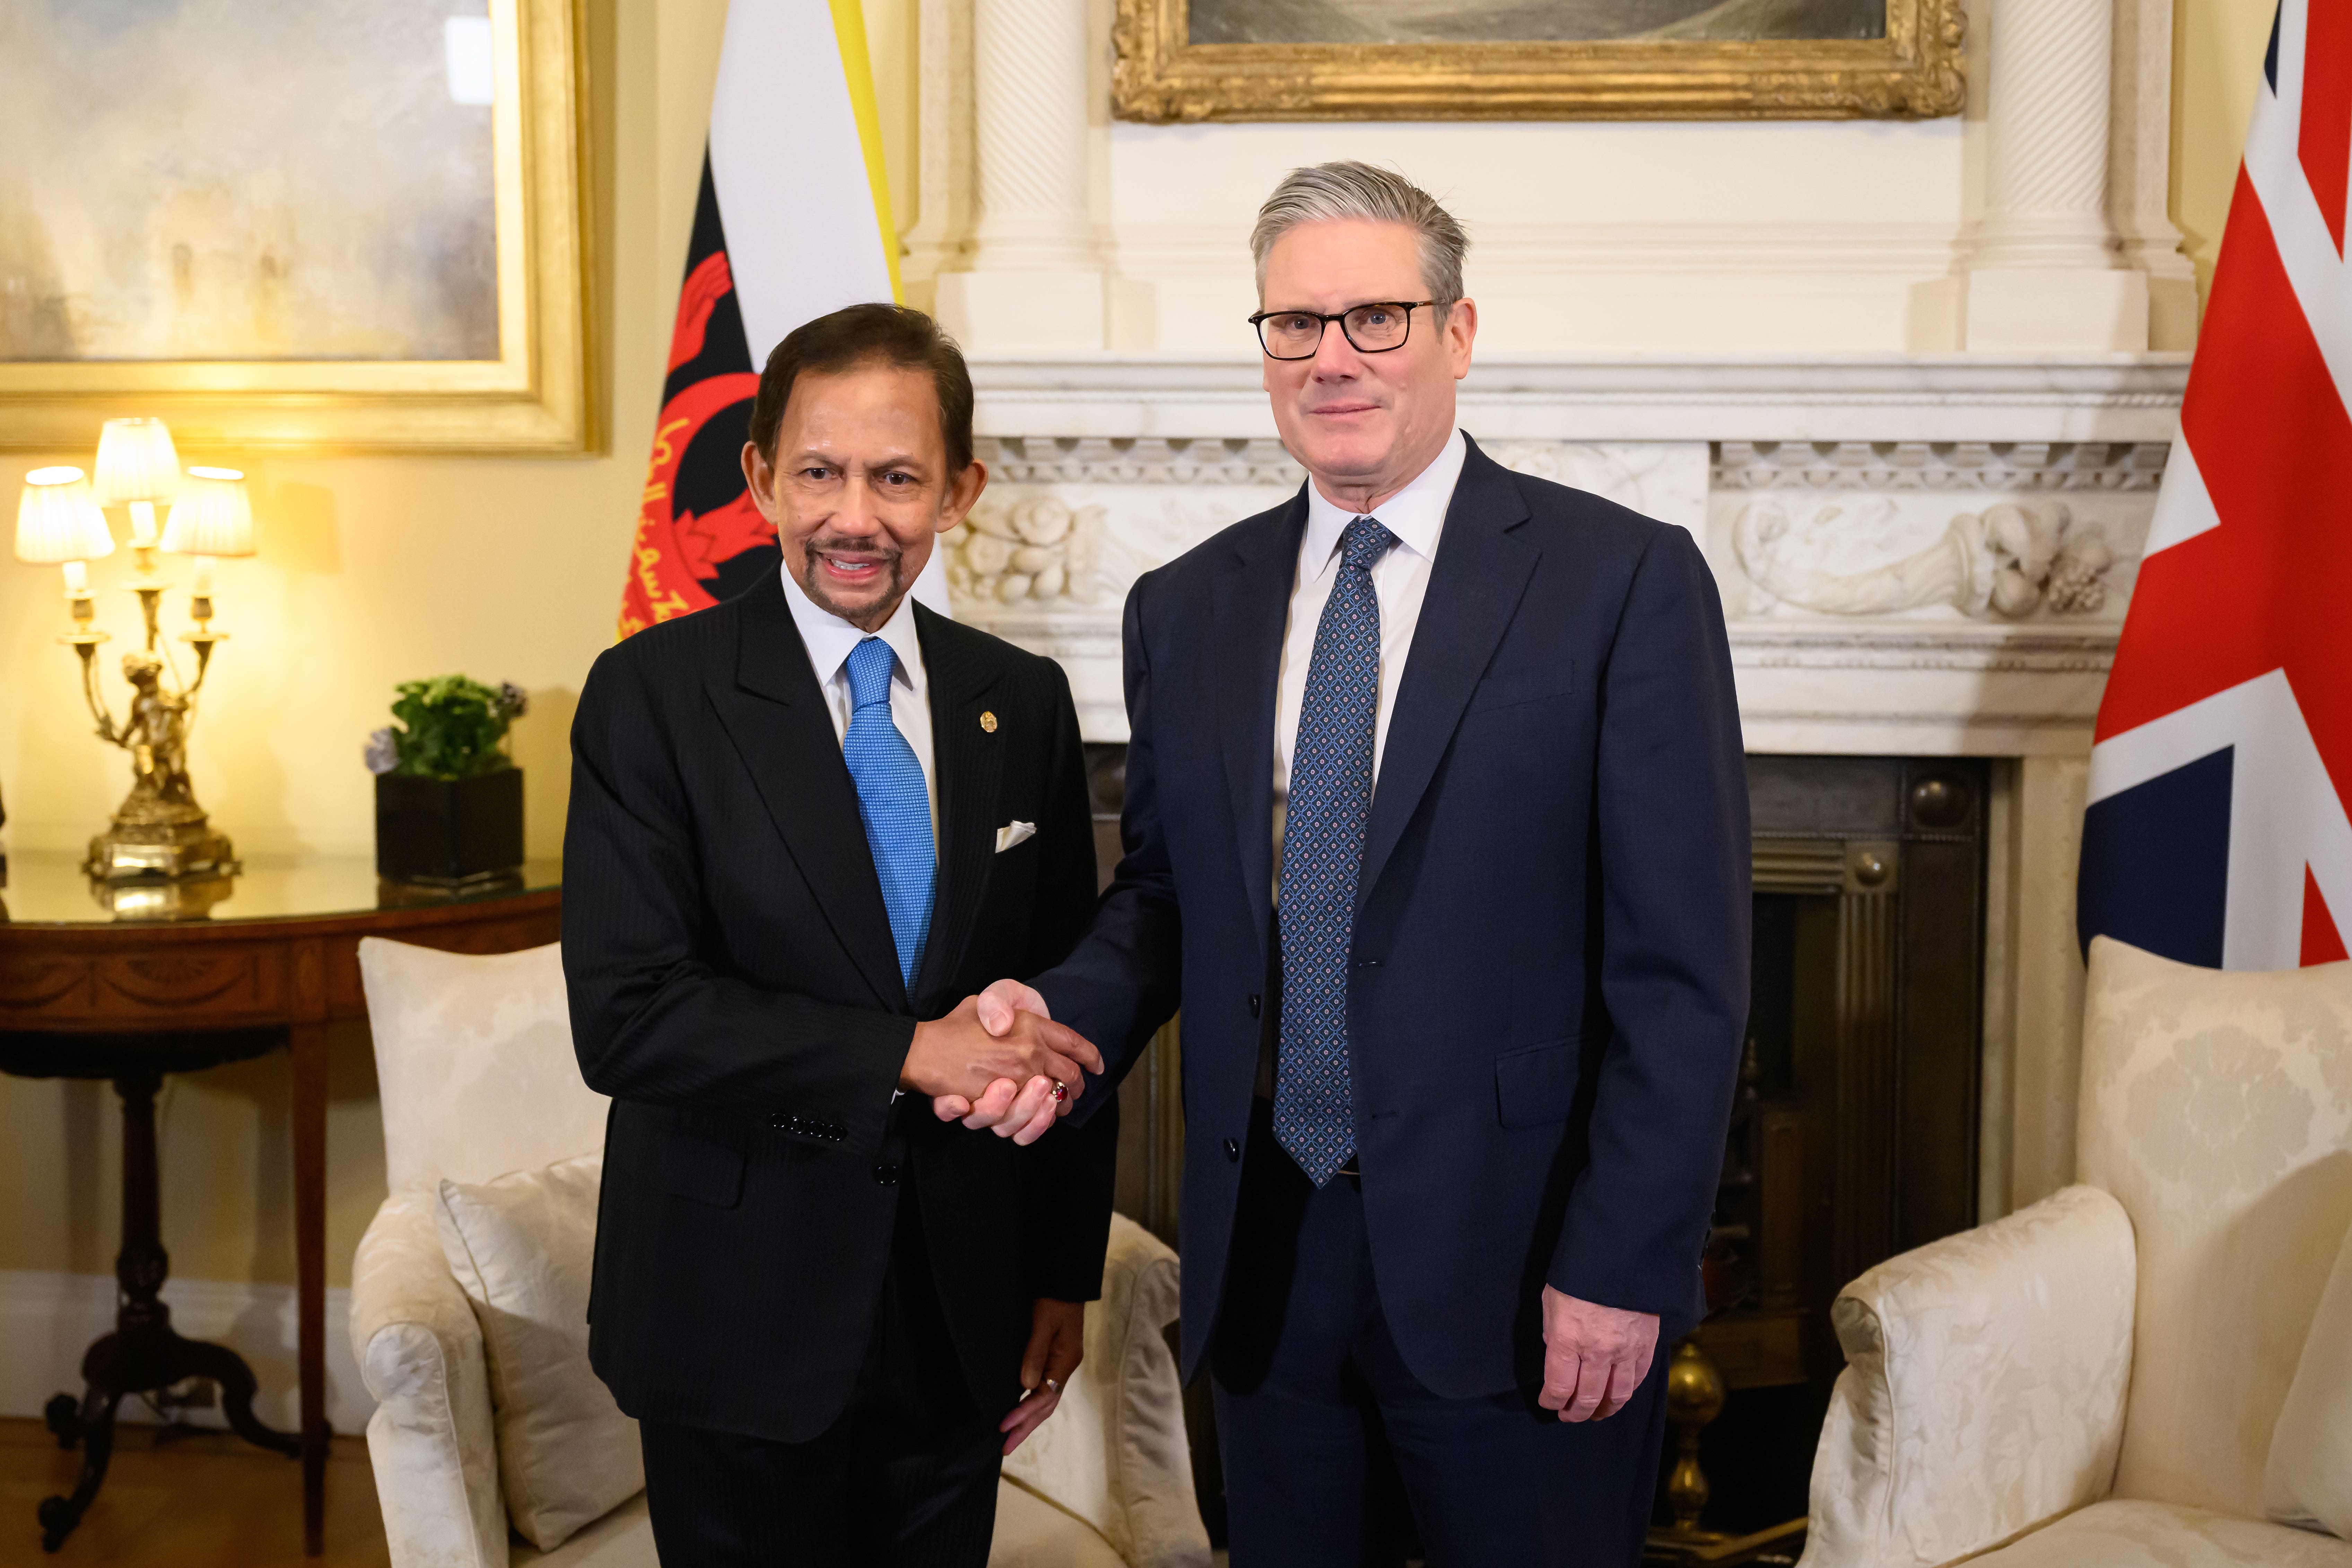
1552	939
735	989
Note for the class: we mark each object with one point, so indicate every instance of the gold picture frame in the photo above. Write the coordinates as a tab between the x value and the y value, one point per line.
1914	72
534	397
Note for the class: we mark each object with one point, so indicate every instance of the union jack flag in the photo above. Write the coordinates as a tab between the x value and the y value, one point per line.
2217	832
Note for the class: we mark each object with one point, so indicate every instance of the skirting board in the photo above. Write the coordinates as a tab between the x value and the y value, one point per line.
48	1319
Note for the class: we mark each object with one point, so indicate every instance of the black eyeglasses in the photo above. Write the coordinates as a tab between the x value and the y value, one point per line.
1374	329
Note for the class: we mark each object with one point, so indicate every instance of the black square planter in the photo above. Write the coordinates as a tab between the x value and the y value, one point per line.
448	833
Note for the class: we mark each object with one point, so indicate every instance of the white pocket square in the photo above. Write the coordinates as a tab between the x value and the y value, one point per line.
1013	833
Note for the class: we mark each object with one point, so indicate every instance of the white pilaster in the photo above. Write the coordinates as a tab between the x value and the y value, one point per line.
944	172
1035	281
2041	269
2139	170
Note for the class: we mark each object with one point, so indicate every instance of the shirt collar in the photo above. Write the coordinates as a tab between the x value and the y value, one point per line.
830	640
1415	514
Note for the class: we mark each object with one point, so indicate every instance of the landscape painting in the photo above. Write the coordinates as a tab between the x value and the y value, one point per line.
1527	21
248	180
1181	61
319	224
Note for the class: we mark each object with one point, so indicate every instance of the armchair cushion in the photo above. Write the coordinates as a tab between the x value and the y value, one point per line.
522	1248
2309	1478
2121	1534
420	1353
1984	1388
1114	1453
474	1063
2217	1108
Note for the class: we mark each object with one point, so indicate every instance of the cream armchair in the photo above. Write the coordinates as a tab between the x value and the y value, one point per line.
2092	1382
474	1066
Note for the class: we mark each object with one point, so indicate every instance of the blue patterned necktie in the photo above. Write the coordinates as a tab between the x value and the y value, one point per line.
893	800
1322	851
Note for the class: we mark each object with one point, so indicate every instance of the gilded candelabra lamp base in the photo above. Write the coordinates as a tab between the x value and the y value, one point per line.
179	850
159	833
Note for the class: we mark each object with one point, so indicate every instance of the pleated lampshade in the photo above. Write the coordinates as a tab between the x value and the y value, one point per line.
58	520
136	462
213	516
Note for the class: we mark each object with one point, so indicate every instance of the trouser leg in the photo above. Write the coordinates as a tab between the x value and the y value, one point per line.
1500	1480
719	1500
1294	1425
927	1460
905	1477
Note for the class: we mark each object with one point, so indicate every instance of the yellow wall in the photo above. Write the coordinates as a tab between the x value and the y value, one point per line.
2217	66
373	570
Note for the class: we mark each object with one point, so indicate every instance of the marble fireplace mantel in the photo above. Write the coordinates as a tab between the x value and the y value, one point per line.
1918	554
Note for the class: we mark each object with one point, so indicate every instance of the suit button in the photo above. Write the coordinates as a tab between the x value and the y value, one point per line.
886	1175
1234	1150
1254	1006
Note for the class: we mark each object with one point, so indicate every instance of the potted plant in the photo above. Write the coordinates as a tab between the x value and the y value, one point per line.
448	799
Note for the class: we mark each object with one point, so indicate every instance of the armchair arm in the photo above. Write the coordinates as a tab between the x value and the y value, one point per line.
1984	1388
1114	1452
420	1353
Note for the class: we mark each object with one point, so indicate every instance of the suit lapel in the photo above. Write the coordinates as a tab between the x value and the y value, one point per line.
1252	605
968	761
1474	586
776	715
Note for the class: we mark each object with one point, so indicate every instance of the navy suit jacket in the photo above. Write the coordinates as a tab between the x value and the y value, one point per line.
1550	979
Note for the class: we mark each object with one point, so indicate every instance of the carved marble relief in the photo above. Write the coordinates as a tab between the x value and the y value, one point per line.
1856	529
2009	561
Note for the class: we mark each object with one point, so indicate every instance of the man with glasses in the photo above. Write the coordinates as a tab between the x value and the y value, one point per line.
1437	827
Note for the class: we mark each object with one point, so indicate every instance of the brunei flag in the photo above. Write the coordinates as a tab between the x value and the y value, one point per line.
792	220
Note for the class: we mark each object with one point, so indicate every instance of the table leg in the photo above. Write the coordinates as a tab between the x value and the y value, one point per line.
309	1046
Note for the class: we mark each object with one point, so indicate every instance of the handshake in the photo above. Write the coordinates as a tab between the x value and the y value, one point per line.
999	1061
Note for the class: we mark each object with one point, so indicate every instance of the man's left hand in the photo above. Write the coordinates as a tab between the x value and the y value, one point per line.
1057	1331
1594	1356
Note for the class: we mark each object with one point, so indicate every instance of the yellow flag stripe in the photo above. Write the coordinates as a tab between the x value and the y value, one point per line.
849	32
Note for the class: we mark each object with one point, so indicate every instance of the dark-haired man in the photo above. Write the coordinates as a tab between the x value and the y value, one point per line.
803	824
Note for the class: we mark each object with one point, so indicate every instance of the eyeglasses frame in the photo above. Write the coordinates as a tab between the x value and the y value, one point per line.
1257	324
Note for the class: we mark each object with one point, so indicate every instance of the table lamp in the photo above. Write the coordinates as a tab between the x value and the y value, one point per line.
159	833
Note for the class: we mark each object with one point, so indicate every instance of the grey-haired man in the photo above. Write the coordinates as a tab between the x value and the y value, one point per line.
1437	826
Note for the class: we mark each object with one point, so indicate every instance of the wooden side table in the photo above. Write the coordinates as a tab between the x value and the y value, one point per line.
86	992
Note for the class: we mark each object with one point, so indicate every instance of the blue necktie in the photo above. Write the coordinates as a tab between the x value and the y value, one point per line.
892	800
1322	851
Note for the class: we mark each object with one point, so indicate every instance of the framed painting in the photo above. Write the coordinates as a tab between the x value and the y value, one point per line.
346	224
1182	60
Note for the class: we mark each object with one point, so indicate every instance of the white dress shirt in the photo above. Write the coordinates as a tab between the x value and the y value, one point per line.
1416	515
830	640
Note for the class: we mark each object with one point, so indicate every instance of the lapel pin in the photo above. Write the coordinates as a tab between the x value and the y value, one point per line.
988	722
